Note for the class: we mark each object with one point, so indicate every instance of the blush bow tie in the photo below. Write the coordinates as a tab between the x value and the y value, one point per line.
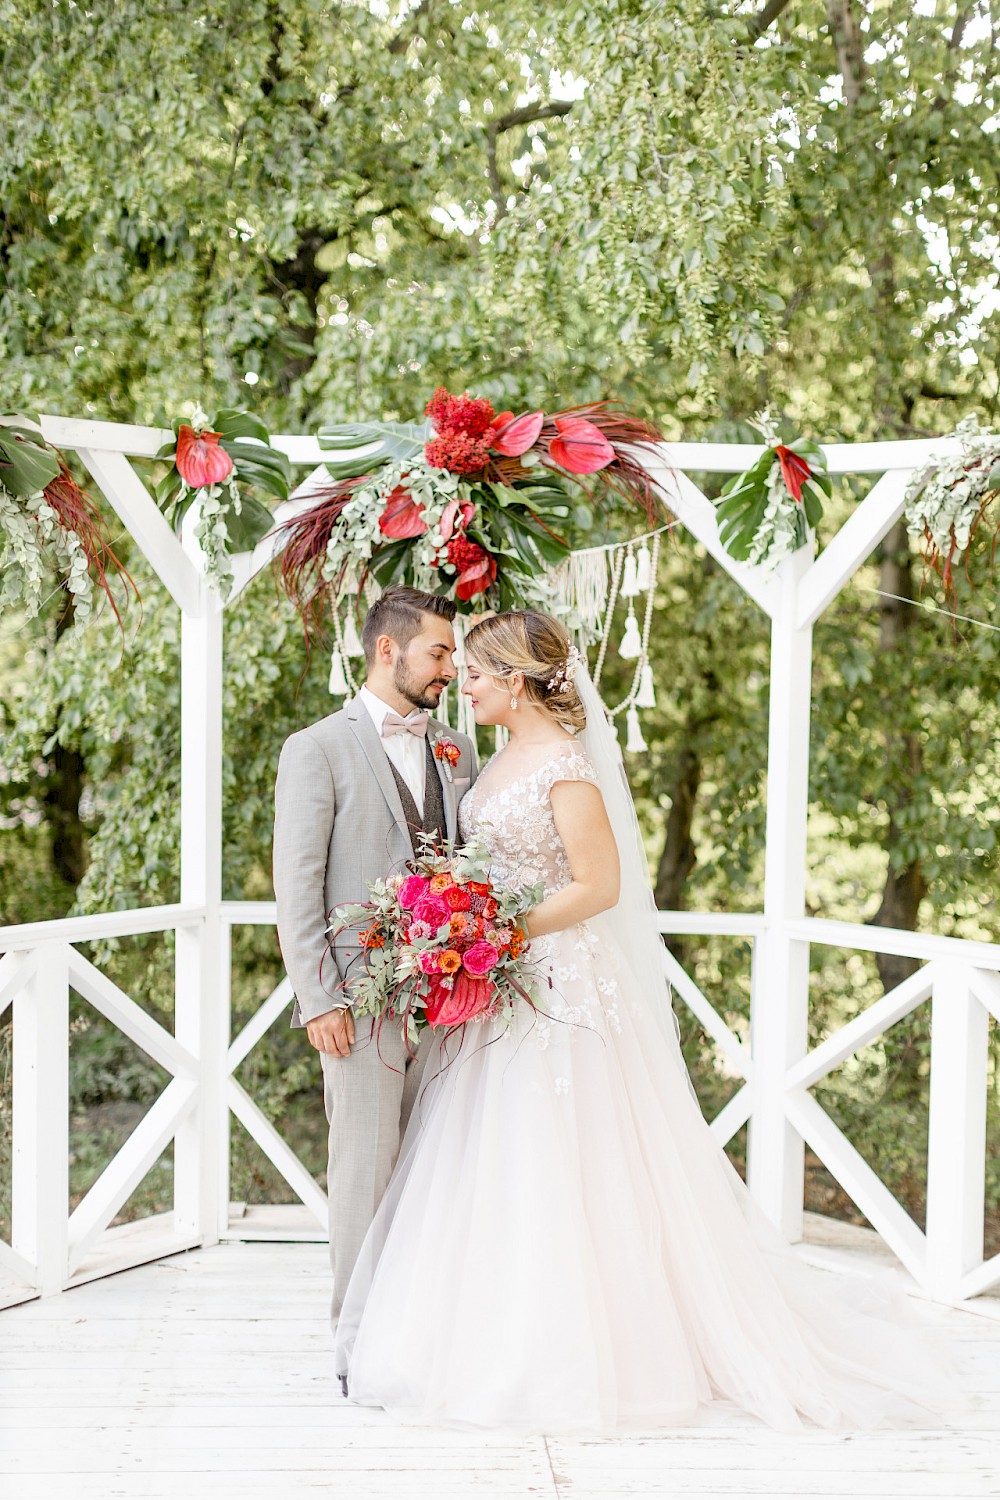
393	723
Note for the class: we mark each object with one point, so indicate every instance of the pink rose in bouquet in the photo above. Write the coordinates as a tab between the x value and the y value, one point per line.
410	892
431	909
480	958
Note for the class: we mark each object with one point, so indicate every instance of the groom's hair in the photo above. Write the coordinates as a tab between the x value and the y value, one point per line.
398	612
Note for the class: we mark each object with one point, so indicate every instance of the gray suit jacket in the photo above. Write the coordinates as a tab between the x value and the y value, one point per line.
338	824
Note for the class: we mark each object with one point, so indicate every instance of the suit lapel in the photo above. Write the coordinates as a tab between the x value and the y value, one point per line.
370	741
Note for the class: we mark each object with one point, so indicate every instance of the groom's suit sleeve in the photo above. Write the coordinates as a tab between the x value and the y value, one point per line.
304	811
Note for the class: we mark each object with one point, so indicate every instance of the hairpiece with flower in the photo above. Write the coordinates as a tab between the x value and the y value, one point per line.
565	671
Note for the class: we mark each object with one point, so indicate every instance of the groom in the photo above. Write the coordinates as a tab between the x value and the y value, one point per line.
351	791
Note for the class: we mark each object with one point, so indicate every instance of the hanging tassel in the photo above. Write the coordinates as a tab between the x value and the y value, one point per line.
646	696
352	641
635	740
631	645
338	677
644	572
630	577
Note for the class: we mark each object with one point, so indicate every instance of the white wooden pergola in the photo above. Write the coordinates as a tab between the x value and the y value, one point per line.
52	1249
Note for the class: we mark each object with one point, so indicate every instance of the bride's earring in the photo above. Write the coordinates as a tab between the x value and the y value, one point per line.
513	701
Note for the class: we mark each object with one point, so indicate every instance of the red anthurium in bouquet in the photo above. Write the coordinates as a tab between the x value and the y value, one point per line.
439	945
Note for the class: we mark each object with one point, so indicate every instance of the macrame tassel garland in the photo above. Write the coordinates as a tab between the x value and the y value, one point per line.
581	584
643	569
646	696
338	677
351	640
630	577
631	645
634	740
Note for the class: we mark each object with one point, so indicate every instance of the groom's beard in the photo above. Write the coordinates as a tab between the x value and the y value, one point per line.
419	694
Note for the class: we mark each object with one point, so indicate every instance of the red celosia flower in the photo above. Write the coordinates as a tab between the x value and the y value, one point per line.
403	516
469	414
476	568
463	553
199	458
794	470
458	451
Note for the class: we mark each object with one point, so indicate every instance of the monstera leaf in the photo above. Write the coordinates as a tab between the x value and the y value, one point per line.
396	441
27	463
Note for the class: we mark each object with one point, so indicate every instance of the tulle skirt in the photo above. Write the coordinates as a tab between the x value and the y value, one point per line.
564	1247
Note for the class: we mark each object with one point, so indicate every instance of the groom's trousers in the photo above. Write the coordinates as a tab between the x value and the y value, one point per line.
369	1096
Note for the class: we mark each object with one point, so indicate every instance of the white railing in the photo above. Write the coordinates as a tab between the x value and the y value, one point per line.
52	1248
962	980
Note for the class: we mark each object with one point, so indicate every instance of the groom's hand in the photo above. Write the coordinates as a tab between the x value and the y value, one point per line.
332	1032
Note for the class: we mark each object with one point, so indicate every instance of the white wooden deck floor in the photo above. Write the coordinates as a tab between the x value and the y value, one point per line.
209	1374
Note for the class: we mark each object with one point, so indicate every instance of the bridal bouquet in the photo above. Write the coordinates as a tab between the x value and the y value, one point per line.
440	943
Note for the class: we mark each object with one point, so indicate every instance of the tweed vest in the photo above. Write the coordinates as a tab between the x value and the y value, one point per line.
433	820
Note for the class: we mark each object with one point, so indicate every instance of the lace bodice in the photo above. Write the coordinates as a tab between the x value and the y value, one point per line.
514	819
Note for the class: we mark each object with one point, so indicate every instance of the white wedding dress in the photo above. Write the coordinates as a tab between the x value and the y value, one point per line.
565	1247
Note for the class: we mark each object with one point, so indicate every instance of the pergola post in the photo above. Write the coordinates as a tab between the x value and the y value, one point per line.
40	1157
202	968
780	1002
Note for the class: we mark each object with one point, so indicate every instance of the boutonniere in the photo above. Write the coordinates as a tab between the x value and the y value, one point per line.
447	752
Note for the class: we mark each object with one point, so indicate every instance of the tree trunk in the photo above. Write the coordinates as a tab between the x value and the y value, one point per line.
848	46
678	857
63	789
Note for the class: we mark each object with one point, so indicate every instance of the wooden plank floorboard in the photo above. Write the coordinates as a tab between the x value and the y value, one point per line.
209	1376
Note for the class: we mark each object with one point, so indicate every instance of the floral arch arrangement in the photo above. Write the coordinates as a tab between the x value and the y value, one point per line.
474	504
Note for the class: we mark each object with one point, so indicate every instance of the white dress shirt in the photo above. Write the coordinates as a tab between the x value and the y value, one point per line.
408	752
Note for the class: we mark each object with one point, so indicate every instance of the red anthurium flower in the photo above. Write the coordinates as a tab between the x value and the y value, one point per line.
580	448
467	997
512	436
403	516
456	516
794	470
476	568
199	458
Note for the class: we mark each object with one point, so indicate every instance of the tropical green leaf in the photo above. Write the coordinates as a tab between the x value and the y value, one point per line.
26	467
240	424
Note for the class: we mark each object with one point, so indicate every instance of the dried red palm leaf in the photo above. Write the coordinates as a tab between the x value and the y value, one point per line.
77	512
300	564
624	476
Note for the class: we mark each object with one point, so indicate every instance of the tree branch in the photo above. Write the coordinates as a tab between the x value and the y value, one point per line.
849	48
764	17
401	40
526	115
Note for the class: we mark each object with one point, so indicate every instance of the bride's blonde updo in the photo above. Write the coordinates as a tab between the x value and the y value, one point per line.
528	641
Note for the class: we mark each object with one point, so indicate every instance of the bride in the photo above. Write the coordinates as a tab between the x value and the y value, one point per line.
563	1245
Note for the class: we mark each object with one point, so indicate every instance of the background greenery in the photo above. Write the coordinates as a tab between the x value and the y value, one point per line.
323	211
